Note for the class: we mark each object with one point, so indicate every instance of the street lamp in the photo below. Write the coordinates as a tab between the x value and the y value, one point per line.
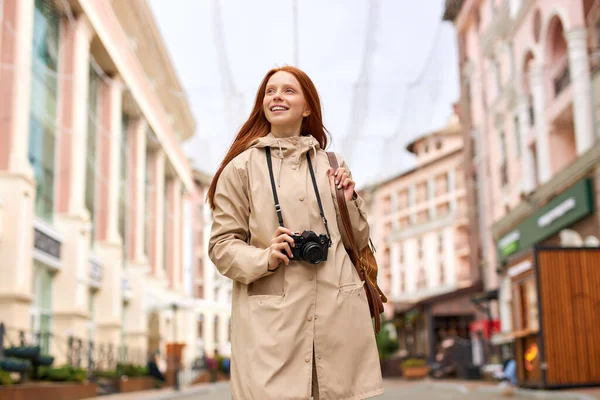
175	354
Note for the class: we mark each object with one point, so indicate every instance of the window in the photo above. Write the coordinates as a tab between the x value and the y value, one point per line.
420	247
43	112
123	185
402	281
92	145
517	136
438	144
442	274
441	242
123	348
92	315
422	279
41	309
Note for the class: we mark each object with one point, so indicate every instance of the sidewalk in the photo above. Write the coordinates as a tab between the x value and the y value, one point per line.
484	387
164	394
395	389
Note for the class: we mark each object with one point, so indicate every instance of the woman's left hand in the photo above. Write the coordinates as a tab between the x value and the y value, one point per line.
339	180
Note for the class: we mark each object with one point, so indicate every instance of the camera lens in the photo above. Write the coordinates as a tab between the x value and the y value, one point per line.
312	253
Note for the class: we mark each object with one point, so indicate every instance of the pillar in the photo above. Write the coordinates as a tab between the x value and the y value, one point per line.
541	128
17	188
73	221
527	161
582	88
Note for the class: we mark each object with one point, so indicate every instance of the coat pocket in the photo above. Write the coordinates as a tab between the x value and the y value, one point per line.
353	288
271	285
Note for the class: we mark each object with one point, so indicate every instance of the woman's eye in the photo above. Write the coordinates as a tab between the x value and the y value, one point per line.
290	91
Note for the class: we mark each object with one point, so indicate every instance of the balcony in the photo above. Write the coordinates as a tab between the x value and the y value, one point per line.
497	28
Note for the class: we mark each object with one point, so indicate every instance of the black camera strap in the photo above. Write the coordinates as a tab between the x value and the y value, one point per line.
314	182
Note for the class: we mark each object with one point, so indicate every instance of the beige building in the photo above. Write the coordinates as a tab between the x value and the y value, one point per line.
419	222
212	291
93	180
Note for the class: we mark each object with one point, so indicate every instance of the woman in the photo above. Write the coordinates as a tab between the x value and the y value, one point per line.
299	328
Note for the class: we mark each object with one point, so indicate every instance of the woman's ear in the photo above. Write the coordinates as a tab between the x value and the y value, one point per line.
306	113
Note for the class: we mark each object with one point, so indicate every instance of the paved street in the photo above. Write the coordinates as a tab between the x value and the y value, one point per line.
399	390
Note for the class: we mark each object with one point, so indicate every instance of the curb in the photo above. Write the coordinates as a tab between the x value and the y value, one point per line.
541	394
194	391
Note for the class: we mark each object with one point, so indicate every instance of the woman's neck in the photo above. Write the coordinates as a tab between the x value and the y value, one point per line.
283	132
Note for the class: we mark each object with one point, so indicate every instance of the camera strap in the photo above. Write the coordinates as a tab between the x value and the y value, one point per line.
276	198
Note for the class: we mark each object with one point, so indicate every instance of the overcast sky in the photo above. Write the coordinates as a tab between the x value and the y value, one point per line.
386	70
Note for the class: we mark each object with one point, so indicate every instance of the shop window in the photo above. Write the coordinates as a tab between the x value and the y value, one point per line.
525	305
43	111
41	309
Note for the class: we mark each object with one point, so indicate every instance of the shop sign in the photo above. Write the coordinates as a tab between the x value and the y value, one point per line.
561	212
96	272
46	248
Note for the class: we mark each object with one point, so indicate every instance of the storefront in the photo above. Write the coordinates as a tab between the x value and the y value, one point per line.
544	267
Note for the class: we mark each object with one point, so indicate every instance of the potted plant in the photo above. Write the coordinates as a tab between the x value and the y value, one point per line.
415	368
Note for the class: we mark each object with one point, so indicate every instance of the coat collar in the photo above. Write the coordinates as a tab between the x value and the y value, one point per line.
289	146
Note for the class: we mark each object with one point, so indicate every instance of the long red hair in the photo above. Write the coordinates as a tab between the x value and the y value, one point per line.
258	126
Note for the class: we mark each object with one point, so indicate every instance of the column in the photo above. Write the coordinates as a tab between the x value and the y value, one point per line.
452	189
15	84
536	78
109	162
109	245
582	96
527	163
136	170
188	231
411	203
137	318
395	270
156	198
16	176
173	229
431	196
71	312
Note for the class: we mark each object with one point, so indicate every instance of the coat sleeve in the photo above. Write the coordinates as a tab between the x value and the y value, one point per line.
228	246
358	215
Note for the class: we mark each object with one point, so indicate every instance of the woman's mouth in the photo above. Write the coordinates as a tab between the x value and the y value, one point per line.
278	109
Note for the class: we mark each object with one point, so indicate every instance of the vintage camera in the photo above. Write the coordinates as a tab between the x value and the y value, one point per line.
310	248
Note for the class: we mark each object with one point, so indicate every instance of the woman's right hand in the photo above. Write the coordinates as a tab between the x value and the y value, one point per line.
281	248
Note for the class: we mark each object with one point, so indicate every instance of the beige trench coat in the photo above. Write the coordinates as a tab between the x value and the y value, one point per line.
277	317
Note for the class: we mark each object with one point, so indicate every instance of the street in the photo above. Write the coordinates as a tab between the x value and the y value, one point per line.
399	390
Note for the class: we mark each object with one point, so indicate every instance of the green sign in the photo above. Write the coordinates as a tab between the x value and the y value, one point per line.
561	212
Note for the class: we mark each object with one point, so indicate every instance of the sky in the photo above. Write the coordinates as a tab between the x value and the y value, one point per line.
386	70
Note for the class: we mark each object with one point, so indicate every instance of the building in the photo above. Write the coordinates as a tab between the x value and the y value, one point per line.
420	229
530	100
93	181
212	291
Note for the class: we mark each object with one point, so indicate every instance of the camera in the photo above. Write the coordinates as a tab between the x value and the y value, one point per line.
310	248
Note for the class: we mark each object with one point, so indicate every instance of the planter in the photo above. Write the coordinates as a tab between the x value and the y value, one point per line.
15	365
27	352
415	372
127	385
45	390
205	377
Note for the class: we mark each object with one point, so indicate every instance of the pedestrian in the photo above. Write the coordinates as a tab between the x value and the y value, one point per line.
301	324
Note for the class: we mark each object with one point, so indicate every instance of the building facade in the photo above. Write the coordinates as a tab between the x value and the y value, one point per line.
420	230
212	291
530	94
93	181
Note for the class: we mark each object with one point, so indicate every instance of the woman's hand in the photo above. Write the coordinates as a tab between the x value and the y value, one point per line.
280	249
339	180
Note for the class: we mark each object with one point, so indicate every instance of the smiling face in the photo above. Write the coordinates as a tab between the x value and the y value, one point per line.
284	104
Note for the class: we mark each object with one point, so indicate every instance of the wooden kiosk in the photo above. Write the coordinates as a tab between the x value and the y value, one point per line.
556	317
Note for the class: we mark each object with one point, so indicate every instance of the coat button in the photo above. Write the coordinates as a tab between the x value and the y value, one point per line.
310	278
307	359
294	167
301	198
309	318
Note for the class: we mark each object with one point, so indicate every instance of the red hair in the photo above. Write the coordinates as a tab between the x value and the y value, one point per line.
258	126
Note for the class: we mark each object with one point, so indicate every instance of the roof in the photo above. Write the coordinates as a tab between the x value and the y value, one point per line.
452	128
